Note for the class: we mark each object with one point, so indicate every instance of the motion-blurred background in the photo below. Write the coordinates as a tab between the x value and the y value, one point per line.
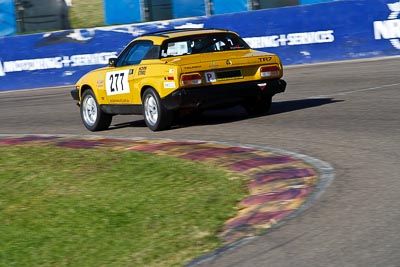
28	16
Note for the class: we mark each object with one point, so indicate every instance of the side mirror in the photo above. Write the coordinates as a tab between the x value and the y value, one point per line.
112	62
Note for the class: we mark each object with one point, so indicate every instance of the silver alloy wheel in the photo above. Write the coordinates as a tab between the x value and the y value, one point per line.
89	110
151	109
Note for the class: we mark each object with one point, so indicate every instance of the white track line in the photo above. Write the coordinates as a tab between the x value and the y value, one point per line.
357	91
360	60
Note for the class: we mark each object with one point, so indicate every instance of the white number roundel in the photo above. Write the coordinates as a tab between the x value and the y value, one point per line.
117	82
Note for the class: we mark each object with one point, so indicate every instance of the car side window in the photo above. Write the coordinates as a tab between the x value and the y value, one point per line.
135	53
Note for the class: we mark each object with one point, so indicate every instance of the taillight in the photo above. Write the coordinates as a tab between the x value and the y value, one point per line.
270	71
191	79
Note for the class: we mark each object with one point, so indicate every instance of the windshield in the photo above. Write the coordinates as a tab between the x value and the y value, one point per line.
204	43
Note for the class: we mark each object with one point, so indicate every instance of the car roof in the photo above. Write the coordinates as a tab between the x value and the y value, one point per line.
183	32
172	33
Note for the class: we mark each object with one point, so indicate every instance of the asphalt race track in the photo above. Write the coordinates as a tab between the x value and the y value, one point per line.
346	114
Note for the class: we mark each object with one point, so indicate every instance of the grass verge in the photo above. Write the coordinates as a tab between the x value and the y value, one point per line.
86	14
71	207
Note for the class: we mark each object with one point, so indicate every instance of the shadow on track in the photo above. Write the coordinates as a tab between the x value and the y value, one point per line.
293	105
237	113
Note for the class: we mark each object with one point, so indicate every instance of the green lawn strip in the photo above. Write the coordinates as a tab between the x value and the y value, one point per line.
87	14
72	207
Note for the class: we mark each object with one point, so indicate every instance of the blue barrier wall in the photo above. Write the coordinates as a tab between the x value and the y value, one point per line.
7	18
306	2
221	6
188	8
311	33
120	12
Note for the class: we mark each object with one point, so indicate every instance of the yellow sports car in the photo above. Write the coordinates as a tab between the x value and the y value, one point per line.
162	74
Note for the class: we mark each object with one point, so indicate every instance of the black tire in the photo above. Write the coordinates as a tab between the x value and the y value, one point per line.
156	116
258	105
92	116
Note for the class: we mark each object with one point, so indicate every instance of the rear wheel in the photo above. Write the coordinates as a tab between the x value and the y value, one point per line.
92	116
156	116
258	105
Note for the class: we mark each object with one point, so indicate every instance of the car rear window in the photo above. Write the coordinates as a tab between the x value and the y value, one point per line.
202	43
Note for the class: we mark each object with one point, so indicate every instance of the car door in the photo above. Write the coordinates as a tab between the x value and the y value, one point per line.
120	80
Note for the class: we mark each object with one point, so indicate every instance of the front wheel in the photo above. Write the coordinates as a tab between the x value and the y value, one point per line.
92	116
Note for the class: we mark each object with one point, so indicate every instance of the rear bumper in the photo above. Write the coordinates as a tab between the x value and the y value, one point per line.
220	95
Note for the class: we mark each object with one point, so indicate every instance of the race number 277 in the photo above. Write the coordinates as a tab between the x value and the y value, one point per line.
117	82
